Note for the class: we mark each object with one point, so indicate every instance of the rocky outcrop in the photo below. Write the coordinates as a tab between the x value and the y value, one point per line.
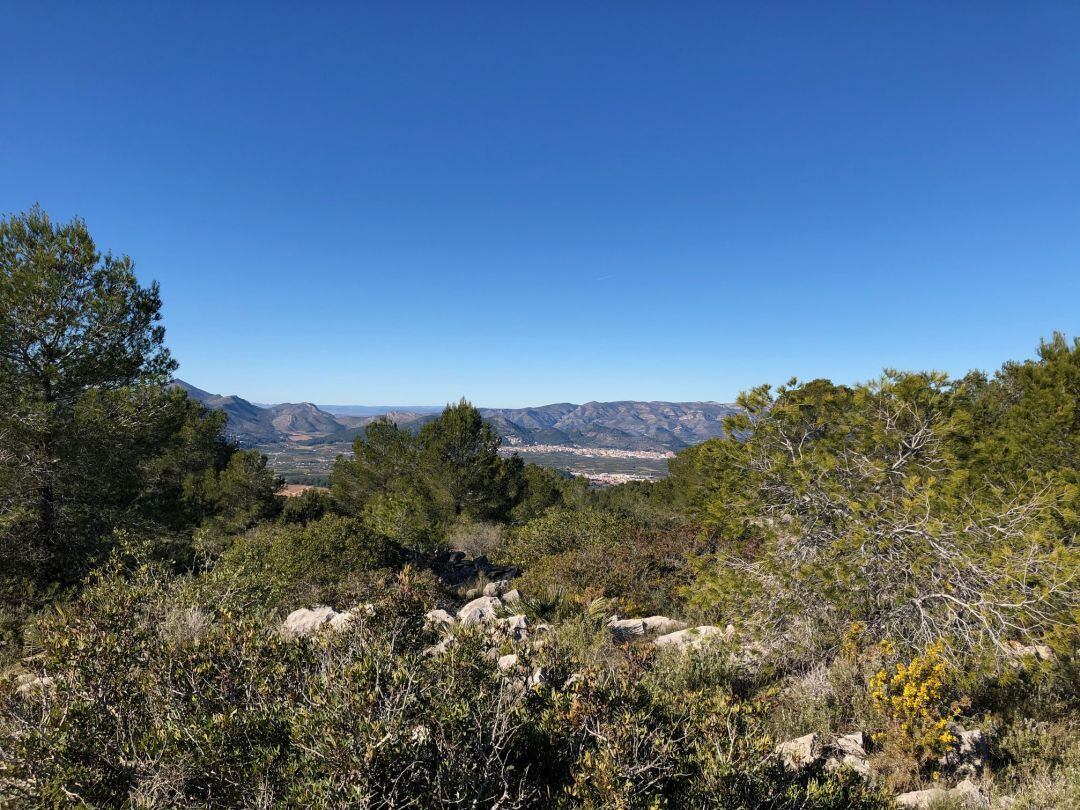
625	629
305	621
1040	652
692	638
966	794
849	751
800	753
968	756
481	610
438	618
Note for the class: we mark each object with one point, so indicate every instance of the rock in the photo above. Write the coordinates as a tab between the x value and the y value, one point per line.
858	764
339	620
632	628
496	588
510	597
968	756
800	752
304	622
691	638
854	744
662	625
967	794
507	662
516	626
626	628
922	798
479	611
438	618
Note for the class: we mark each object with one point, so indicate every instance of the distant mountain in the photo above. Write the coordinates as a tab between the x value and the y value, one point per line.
616	425
303	420
379	410
300	422
248	423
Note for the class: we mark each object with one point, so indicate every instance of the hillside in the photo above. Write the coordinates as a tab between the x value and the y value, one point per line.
623	425
626	425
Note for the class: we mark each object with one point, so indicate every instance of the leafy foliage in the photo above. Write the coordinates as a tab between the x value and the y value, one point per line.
413	487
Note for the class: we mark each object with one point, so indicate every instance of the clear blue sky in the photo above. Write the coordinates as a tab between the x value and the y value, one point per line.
536	202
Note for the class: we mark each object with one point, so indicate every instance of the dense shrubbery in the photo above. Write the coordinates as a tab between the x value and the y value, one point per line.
590	554
895	558
161	698
322	562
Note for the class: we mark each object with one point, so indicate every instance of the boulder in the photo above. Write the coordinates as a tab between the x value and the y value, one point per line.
854	744
507	662
481	610
662	625
438	618
536	679
858	764
632	628
800	752
1040	652
435	650
515	626
510	597
496	588
966	794
305	621
691	638
626	628
968	756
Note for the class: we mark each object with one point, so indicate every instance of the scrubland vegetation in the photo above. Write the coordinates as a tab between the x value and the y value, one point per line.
896	558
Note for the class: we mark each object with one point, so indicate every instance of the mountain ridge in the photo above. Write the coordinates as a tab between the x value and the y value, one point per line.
617	425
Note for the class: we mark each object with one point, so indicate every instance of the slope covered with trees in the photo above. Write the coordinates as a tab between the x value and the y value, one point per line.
859	592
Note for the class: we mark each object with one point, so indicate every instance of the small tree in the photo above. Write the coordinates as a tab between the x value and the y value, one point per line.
74	323
459	453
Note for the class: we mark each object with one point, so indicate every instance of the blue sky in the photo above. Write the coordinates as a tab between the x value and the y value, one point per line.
529	203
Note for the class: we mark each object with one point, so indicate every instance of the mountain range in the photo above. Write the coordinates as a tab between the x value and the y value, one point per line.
625	425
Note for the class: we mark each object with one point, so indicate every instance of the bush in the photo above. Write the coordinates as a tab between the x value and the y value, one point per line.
309	505
915	711
292	565
645	572
560	531
160	699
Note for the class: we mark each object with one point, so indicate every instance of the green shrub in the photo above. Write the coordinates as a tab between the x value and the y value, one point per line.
309	505
560	531
292	565
645	572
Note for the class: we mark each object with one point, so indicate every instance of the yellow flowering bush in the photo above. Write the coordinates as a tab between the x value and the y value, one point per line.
914	707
